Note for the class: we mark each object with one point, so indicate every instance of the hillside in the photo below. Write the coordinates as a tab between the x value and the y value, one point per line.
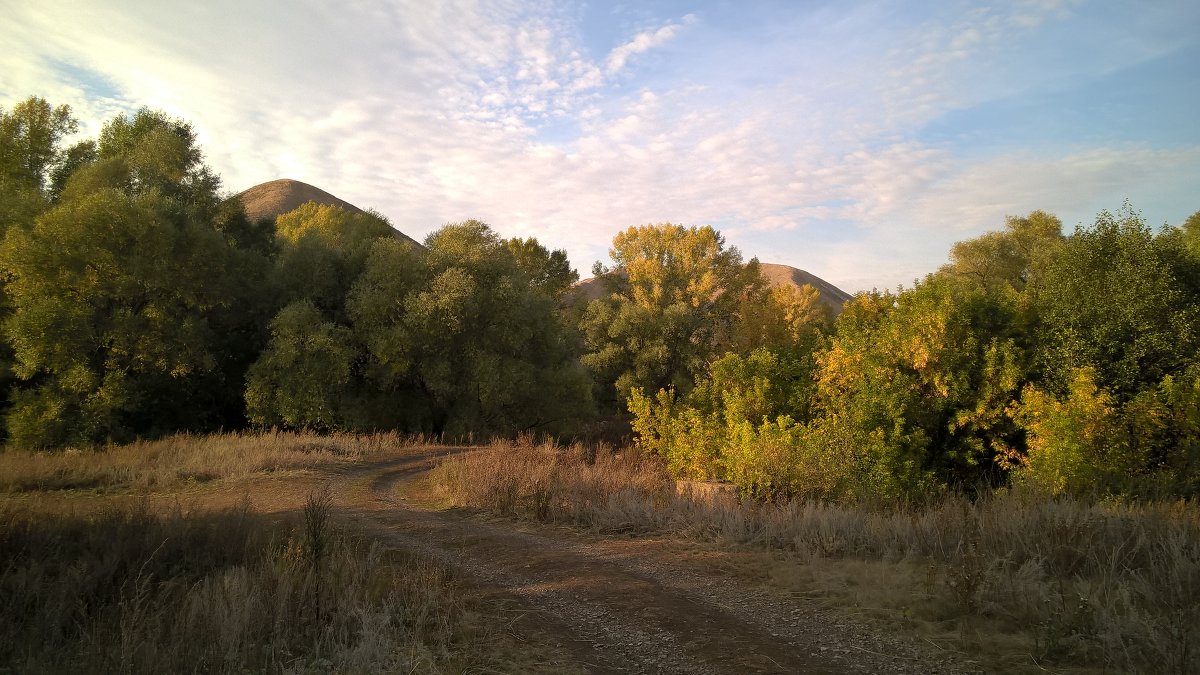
277	197
786	275
775	274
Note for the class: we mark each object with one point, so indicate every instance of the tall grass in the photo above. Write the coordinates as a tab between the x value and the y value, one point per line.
130	591
184	458
1103	583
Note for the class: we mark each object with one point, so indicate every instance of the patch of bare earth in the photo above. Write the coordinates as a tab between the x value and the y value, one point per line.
626	605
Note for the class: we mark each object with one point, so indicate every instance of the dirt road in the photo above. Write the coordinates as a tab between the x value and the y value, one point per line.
623	605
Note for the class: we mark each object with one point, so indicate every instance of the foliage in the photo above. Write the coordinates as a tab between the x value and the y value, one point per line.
1088	443
927	374
302	376
29	143
122	294
737	424
1191	234
322	250
547	271
463	327
674	297
1116	298
1009	258
111	305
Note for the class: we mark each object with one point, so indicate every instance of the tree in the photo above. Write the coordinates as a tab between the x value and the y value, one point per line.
159	153
1008	258
917	385
302	378
548	272
783	319
1118	299
29	141
111	298
116	292
674	298
1113	403
1191	234
322	250
462	326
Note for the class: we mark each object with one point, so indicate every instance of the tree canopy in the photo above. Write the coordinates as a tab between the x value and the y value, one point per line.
674	295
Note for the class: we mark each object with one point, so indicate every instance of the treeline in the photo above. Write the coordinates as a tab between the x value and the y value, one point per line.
138	300
1068	363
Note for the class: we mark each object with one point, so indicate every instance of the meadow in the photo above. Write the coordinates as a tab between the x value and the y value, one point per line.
1020	580
116	560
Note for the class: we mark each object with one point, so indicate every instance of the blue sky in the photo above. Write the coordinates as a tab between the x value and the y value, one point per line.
857	141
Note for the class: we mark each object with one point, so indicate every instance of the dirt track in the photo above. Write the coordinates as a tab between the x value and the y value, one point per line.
623	605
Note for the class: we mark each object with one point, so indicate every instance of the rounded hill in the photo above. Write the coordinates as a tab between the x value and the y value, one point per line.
277	197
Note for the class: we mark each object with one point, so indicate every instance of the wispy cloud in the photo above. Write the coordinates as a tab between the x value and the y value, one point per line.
641	43
800	133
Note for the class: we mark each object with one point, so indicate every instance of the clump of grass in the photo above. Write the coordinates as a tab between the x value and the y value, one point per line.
1109	584
595	488
181	459
127	590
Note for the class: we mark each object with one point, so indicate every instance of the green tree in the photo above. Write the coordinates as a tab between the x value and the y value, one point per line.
1119	299
674	298
463	327
917	385
1011	257
322	250
156	152
548	271
111	299
1112	408
30	135
738	425
118	292
1191	234
310	374
71	160
302	378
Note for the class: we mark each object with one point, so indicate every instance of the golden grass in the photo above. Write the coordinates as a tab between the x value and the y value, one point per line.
1018	579
126	590
182	459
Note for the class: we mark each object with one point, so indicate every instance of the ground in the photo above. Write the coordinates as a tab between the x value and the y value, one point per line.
585	602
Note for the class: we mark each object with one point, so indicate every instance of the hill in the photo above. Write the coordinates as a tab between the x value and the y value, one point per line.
786	275
277	197
776	275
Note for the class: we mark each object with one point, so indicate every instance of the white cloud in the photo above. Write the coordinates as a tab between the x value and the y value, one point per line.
437	112
641	43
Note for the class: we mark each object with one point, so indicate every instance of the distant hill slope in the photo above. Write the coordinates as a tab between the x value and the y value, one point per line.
776	275
786	275
277	197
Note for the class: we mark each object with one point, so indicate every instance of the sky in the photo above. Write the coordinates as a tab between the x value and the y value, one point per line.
857	141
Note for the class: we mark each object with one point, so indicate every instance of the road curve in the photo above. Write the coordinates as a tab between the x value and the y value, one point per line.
621	605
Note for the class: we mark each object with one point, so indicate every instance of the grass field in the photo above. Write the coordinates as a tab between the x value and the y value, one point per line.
1019	580
130	580
117	582
186	459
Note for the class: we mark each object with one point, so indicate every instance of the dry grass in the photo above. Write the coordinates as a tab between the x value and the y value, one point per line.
178	460
135	592
127	590
1023	580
